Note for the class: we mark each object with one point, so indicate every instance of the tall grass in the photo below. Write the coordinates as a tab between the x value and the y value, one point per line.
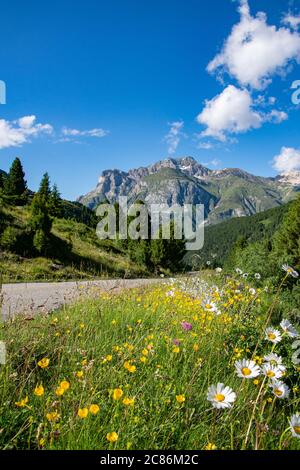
132	355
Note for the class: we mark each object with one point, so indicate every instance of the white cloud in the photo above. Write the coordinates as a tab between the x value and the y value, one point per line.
287	161
292	20
215	162
16	133
97	132
229	112
205	145
254	50
276	116
174	136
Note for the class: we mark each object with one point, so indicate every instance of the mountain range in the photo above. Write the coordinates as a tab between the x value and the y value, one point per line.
226	193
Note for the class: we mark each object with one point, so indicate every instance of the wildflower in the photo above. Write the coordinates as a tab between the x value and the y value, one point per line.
208	263
180	398
176	349
257	276
252	291
117	393
109	357
65	385
273	359
143	359
210	446
145	352
59	391
255	382
196	347
221	396
128	366
112	437
79	374
295	425
290	271
39	390
128	401
176	342
186	326
22	403
94	409
245	275
219	270
279	389
53	416
44	363
239	271
289	329
271	371
82	413
170	293
247	369
273	335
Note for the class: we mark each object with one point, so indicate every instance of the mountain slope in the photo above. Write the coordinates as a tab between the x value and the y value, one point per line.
225	193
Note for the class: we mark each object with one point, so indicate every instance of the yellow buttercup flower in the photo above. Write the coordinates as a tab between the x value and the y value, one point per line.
210	446
112	437
39	390
44	363
23	402
145	352
109	357
176	349
196	347
65	385
79	374
117	393
128	401
53	416
143	359
59	391
180	398
94	409
82	413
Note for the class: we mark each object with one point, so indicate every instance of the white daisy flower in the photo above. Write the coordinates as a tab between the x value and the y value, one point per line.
238	271
291	271
220	396
245	275
273	372
273	359
289	329
208	263
257	276
219	270
252	291
295	425
273	335
247	369
279	389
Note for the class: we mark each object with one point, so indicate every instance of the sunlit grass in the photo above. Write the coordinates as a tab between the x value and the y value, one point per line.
132	371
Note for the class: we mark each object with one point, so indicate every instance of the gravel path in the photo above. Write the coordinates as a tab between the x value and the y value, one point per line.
32	298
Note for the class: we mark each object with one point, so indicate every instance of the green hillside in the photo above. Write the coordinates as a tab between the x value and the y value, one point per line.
220	239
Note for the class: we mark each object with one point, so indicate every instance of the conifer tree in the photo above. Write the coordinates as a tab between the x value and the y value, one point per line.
15	185
55	203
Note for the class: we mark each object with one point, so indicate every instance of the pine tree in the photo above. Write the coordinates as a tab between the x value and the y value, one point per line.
55	202
45	189
15	184
41	221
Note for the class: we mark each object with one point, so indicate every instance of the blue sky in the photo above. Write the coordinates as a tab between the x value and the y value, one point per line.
107	81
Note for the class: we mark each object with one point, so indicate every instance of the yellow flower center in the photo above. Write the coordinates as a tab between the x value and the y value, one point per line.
270	373
219	397
271	336
297	429
246	371
278	392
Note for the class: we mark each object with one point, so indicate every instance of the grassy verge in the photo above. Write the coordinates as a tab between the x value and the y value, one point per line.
132	371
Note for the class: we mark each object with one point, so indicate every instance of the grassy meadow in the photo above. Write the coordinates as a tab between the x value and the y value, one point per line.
140	370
